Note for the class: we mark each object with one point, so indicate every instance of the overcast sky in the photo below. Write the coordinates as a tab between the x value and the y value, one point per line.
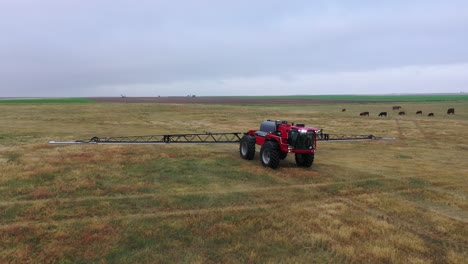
243	47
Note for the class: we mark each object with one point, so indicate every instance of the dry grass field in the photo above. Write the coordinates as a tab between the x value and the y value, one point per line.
402	201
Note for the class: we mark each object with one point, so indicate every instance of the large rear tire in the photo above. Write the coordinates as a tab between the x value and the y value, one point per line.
304	160
247	147
270	154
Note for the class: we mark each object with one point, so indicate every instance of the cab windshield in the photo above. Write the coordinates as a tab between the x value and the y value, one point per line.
301	139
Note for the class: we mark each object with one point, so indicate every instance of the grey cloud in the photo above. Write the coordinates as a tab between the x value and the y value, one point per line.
79	47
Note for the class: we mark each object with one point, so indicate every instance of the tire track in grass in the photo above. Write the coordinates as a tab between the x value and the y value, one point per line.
175	213
190	211
157	214
437	241
400	132
222	191
421	131
455	193
452	213
435	143
149	196
232	190
458	215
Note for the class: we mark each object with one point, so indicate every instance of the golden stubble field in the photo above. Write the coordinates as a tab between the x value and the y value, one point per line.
373	202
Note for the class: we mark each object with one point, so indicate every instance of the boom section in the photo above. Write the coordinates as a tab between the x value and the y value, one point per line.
339	137
200	138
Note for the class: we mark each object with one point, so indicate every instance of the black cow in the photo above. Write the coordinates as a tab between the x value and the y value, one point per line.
419	112
383	114
401	113
343	110
397	107
430	114
451	111
364	114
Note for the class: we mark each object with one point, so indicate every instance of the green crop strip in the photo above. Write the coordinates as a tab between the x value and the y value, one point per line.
47	101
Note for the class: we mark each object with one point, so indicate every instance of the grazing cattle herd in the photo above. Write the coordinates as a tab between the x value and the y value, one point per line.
450	111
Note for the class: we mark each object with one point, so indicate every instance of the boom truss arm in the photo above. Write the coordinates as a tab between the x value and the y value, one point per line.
205	138
340	137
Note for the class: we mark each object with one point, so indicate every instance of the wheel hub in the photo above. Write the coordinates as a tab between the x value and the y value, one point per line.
266	156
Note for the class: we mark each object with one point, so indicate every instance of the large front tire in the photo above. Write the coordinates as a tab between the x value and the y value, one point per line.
283	155
304	160
247	147
270	154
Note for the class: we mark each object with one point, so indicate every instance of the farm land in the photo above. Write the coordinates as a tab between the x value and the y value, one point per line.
365	202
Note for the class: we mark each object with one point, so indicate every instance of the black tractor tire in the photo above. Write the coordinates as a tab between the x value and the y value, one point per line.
247	147
304	160
270	154
283	155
